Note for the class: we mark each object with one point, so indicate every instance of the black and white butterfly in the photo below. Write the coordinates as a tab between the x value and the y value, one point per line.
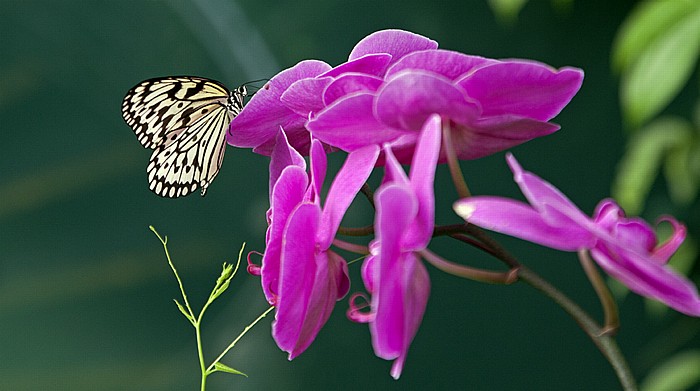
184	120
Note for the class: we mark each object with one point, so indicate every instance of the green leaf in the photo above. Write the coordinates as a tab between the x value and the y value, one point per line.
661	70
507	11
184	311
682	182
645	23
224	368
679	372
640	164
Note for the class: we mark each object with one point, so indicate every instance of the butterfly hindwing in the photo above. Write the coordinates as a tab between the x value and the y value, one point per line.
184	120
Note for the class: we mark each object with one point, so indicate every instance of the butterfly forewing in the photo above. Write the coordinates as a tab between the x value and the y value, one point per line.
184	120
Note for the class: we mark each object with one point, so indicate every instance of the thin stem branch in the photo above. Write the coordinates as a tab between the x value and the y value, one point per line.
352	247
164	241
605	343
453	162
359	231
369	193
469	272
612	317
211	369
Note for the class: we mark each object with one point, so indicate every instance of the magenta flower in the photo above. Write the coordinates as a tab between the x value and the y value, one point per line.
491	105
258	124
394	274
301	276
626	248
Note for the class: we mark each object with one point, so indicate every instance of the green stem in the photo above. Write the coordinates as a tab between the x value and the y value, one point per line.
164	241
232	344
360	231
202	365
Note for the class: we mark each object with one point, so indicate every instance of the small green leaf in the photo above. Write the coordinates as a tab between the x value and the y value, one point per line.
640	164
644	24
661	70
184	311
679	372
224	368
507	11
681	180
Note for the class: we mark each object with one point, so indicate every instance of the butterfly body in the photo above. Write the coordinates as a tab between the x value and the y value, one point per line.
184	120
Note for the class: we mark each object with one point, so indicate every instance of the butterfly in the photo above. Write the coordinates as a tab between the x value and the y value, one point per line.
184	120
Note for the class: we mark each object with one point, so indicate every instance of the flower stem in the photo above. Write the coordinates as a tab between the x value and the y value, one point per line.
352	247
605	343
453	162
601	337
211	369
359	231
469	272
612	318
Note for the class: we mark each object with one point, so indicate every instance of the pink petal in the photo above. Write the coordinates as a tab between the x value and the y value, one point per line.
297	278
396	207
349	83
447	63
487	136
338	271
416	292
668	248
648	277
347	183
554	206
370	64
287	193
522	221
264	114
282	156
305	96
422	178
369	272
393	172
349	124
410	97
523	88
319	164
397	43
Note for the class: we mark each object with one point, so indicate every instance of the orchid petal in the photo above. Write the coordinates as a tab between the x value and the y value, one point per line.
522	221
449	64
286	195
647	277
524	88
410	97
663	252
319	164
370	64
264	114
347	183
422	180
297	277
397	43
348	124
283	155
305	96
547	199
396	207
349	83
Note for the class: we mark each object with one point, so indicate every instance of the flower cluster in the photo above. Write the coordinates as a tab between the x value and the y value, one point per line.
390	104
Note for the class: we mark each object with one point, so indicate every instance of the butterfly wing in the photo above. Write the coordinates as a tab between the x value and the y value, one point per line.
155	108
193	159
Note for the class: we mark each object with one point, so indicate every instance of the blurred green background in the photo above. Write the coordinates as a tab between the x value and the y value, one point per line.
85	290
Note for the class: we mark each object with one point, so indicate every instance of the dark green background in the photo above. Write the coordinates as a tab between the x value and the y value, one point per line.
86	293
